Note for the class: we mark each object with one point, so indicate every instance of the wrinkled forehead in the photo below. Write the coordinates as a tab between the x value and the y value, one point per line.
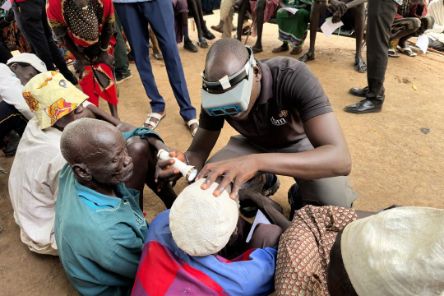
104	142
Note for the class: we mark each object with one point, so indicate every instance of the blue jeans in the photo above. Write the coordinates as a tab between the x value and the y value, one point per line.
135	18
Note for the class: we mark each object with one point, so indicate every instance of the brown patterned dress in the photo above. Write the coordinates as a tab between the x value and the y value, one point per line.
304	250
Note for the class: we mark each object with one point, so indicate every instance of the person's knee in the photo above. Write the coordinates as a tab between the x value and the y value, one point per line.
415	24
138	149
266	235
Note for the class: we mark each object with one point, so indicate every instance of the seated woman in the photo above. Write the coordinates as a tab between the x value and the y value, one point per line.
293	27
183	249
410	21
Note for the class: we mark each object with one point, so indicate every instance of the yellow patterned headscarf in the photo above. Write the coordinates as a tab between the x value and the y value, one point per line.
51	96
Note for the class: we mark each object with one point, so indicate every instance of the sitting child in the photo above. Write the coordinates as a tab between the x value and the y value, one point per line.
183	247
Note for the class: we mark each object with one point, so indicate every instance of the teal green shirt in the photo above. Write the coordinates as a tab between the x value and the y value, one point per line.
99	237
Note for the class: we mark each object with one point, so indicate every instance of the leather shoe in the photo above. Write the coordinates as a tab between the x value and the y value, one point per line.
188	45
359	92
366	106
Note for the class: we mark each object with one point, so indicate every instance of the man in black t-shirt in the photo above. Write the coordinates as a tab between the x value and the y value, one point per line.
286	126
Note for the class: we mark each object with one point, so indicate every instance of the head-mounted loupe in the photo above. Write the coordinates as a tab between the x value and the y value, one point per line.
230	94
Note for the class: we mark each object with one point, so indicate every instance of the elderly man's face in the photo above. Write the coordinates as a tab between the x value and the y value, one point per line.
24	72
110	163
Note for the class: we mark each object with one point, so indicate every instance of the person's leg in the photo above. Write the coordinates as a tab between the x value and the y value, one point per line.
241	16
121	62
136	30
28	17
206	33
226	17
405	29
144	159
358	13
381	14
187	43
380	18
194	11
161	18
334	191
265	235
325	191
260	12
317	9
155	45
223	12
292	29
105	84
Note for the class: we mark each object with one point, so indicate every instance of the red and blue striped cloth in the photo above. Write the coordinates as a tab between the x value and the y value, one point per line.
164	269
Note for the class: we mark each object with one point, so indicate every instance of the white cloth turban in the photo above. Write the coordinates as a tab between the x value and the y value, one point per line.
200	223
396	252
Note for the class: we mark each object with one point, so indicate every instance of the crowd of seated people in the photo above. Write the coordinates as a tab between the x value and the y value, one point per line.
77	180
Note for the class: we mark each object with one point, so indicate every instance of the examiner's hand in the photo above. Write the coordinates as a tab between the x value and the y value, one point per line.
237	171
165	172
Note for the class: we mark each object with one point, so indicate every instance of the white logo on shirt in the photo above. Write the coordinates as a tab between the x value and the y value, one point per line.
280	121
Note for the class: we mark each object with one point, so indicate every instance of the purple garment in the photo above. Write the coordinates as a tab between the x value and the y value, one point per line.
179	6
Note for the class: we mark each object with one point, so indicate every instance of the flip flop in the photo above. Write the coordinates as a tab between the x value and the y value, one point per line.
392	53
193	126
407	51
152	124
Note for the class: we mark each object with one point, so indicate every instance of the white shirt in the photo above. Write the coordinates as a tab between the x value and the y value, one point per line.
11	90
33	184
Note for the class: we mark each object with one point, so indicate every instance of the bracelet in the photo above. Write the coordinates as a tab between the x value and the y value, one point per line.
104	49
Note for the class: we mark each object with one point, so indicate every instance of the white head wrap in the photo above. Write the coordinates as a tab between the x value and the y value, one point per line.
396	252
30	59
200	223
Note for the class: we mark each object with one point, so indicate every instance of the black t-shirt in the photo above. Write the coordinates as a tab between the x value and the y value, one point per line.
290	95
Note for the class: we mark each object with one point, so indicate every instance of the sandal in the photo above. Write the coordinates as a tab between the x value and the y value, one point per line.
283	48
407	51
153	120
296	50
193	126
392	53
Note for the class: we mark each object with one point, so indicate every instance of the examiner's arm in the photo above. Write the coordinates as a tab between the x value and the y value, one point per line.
201	146
329	158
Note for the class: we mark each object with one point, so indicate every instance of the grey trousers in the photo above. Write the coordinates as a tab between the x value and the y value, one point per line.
226	15
326	191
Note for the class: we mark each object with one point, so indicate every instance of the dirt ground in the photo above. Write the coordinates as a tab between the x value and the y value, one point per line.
398	154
